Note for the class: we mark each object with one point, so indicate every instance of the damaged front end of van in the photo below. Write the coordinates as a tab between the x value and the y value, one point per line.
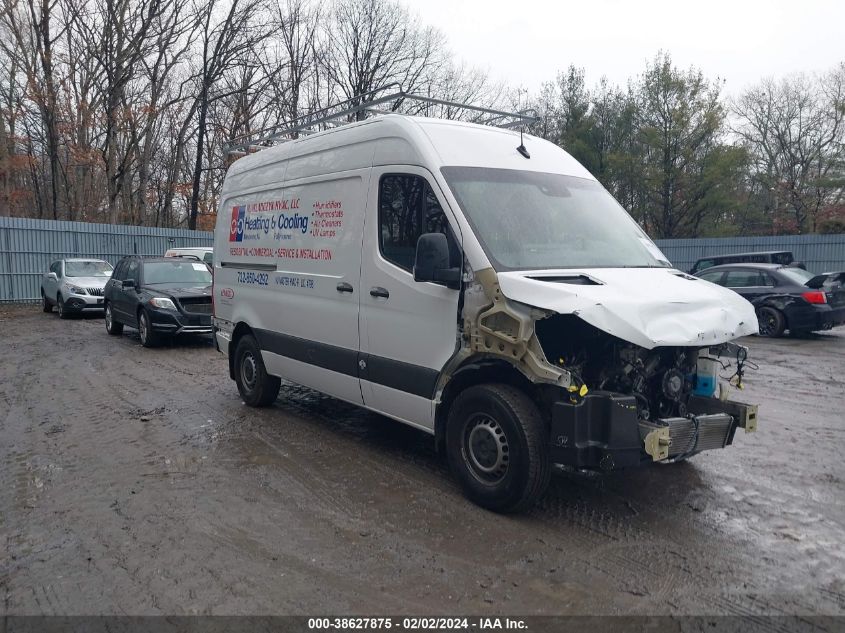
628	359
629	366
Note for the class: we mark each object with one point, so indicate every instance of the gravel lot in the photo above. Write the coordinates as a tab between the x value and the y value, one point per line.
134	481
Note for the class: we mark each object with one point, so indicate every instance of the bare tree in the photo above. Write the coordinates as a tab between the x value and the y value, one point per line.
223	44
794	129
373	43
458	83
120	31
298	29
34	28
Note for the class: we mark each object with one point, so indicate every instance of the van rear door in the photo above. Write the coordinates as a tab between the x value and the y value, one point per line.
408	329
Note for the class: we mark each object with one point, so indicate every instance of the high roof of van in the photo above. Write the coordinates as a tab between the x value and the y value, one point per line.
395	139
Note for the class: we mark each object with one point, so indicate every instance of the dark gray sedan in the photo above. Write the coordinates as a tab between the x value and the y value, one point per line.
785	297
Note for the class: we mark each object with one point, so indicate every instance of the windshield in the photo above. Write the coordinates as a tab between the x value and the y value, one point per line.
797	275
93	268
529	220
177	272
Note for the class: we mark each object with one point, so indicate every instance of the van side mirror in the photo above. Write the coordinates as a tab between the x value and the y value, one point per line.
53	276
431	262
129	283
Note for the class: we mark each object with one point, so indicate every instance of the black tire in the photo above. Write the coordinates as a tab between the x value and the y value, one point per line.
498	447
256	386
112	327
45	304
772	322
60	307
149	338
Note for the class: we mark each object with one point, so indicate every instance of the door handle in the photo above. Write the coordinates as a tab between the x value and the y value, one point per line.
378	291
344	287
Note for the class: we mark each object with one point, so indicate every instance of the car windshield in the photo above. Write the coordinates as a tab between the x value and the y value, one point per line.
797	275
177	272
93	268
529	220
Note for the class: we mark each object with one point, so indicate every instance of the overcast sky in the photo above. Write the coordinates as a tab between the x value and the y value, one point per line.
525	42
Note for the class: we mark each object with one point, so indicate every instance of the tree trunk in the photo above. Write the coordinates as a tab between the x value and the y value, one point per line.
195	192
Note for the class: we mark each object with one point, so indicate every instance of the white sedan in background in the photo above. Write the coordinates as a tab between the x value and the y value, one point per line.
74	285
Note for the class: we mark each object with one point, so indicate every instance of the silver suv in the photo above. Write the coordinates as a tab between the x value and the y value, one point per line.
74	285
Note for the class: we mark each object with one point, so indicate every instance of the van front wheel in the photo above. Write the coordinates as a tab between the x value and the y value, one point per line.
256	386
498	447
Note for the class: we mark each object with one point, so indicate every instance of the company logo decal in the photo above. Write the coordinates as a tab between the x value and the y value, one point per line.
236	231
227	293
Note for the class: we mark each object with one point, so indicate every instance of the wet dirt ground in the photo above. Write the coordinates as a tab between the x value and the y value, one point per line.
134	481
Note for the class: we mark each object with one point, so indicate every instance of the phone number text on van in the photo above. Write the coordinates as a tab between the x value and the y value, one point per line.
249	277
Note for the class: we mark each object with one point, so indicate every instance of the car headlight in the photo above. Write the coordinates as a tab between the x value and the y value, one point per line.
163	303
76	290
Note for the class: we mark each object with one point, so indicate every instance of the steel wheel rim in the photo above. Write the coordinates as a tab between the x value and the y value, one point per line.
60	306
485	449
249	371
108	318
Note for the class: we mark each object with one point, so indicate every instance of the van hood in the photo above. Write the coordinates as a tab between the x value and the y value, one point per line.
650	307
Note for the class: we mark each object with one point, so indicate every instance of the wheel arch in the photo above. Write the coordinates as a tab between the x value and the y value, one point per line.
779	302
241	329
475	370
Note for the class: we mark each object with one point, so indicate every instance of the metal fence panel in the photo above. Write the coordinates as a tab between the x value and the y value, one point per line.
27	246
820	253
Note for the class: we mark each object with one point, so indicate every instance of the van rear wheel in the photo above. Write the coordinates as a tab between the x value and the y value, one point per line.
256	386
498	447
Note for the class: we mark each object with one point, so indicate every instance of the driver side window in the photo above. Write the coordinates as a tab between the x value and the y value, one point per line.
120	271
407	208
132	271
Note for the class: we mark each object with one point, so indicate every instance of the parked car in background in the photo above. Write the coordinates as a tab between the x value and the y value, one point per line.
202	253
74	285
161	296
784	258
785	297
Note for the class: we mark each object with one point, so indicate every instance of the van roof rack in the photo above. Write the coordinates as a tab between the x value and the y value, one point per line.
373	103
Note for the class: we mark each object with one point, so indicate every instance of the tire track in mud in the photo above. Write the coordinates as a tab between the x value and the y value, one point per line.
206	506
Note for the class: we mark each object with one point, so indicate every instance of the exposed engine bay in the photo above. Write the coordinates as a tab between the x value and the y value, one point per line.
661	379
647	387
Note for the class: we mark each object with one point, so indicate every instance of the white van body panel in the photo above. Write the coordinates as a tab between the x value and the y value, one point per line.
296	244
413	332
650	307
468	145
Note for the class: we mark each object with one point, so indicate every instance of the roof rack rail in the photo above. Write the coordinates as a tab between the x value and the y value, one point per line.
362	106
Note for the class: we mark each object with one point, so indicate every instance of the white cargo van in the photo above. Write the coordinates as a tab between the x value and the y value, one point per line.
482	288
202	253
